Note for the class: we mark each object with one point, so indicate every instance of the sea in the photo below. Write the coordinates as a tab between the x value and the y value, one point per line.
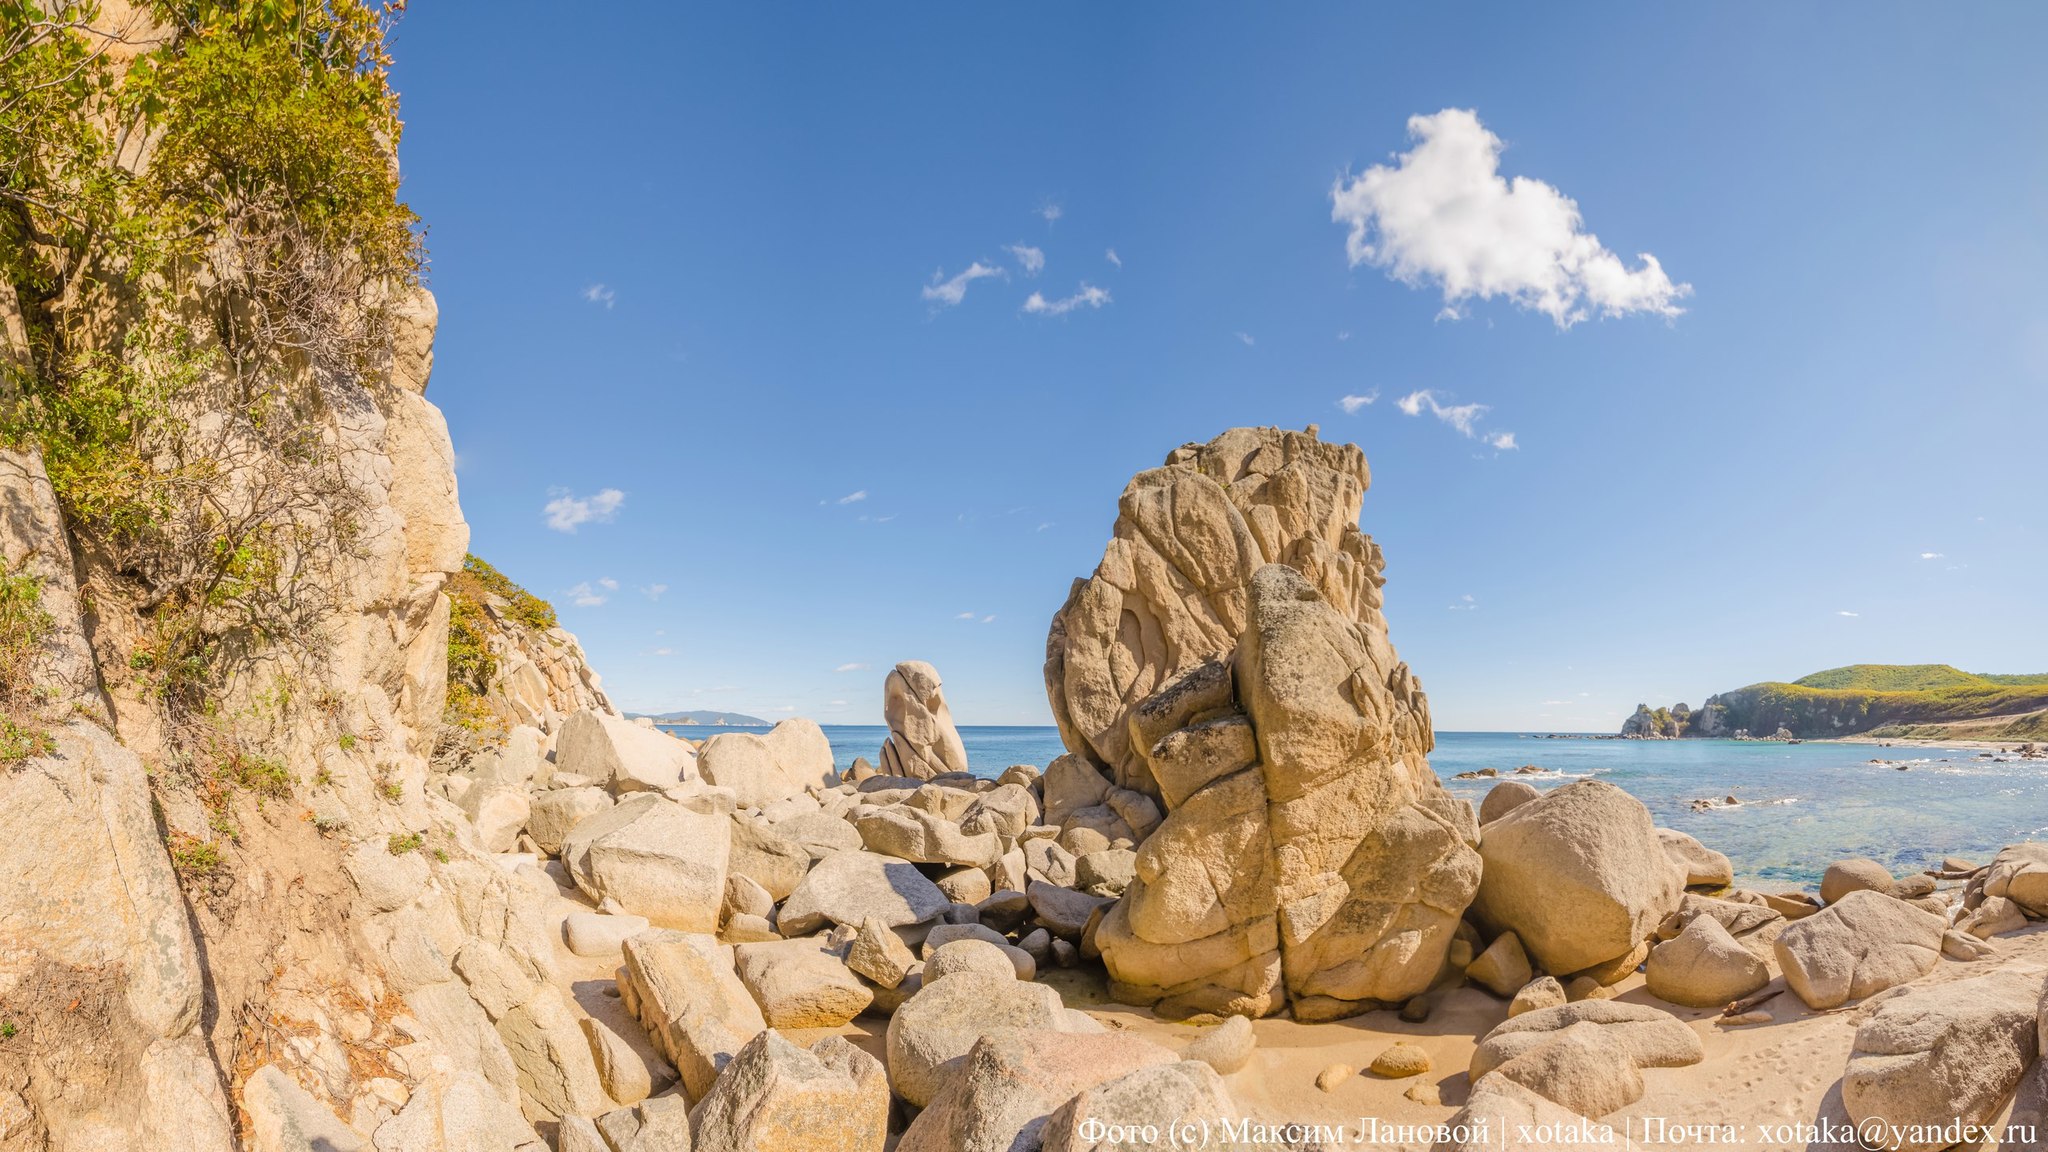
1801	807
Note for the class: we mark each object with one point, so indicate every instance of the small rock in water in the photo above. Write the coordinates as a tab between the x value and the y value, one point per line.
1329	1078
1400	1062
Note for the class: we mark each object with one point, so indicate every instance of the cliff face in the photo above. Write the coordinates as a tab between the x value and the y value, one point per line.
230	521
1931	700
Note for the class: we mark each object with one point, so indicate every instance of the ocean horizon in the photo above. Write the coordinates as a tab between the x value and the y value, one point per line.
1802	806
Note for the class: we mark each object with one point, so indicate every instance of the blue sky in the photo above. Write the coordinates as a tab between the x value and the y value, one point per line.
701	363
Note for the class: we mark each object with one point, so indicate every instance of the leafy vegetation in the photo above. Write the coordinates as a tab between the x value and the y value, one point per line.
478	597
404	842
24	625
1863	697
520	605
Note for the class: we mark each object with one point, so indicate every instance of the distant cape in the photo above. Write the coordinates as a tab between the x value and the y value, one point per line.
726	719
1932	701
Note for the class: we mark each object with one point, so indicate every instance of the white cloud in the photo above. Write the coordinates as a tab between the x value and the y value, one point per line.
1051	212
1930	555
567	509
1111	256
854	497
851	668
1031	260
964	616
653	591
1351	404
1089	296
988	619
600	294
1465	604
1343	336
1504	441
1442	214
1846	612
1459	416
946	293
664	651
590	594
1043	527
1247	338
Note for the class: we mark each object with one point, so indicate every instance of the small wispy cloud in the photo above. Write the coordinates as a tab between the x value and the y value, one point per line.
988	619
1930	555
853	497
1351	404
1051	212
591	593
1459	416
1031	260
653	591
1343	336
1111	256
1246	337
1846	612
1088	297
1465	604
664	651
1043	527
568	510
600	294
1504	441
851	668
963	616
945	293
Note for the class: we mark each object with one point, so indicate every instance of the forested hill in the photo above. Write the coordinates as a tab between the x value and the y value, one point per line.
1933	700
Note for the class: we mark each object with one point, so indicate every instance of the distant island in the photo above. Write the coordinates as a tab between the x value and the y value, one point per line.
723	719
1901	701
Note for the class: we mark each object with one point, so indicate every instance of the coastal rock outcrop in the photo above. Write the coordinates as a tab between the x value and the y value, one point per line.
922	742
762	769
1862	944
1931	1058
1229	660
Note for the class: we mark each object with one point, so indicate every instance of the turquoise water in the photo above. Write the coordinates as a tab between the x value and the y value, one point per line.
1803	805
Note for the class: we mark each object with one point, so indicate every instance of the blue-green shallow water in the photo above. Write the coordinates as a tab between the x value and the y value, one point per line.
1803	805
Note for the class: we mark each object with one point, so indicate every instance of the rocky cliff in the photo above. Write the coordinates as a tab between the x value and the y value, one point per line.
1925	700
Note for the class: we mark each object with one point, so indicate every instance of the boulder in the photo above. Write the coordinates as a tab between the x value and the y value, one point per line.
1011	1081
1864	943
599	934
768	858
618	754
1586	1056
1542	992
1704	967
819	834
456	1111
498	812
2020	873
682	988
1996	916
1071	784
656	1124
1578	875
933	1030
924	837
654	857
553	813
965	885
1503	969
1178	1097
761	769
630	1071
880	954
850	887
1703	867
1504	798
1400	1061
774	1095
977	956
557	1072
284	1117
1932	1057
1854	875
1226	1047
1502	1116
799	984
1107	872
922	741
1063	911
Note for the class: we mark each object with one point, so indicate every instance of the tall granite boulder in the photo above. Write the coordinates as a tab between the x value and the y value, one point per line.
923	742
1229	659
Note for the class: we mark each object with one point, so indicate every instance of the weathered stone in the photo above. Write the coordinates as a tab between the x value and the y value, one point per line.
1004	1091
819	834
1864	943
557	1072
762	769
1542	992
622	756
762	854
656	1124
598	934
931	1033
456	1112
498	812
850	887
1704	967
1579	875
1504	798
284	1117
922	740
1854	875
1503	968
1062	910
656	858
924	837
1174	1097
1226	1047
1585	1056
976	956
553	813
1930	1058
627	1074
775	1095
1400	1061
800	985
2020	873
683	989
1703	867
